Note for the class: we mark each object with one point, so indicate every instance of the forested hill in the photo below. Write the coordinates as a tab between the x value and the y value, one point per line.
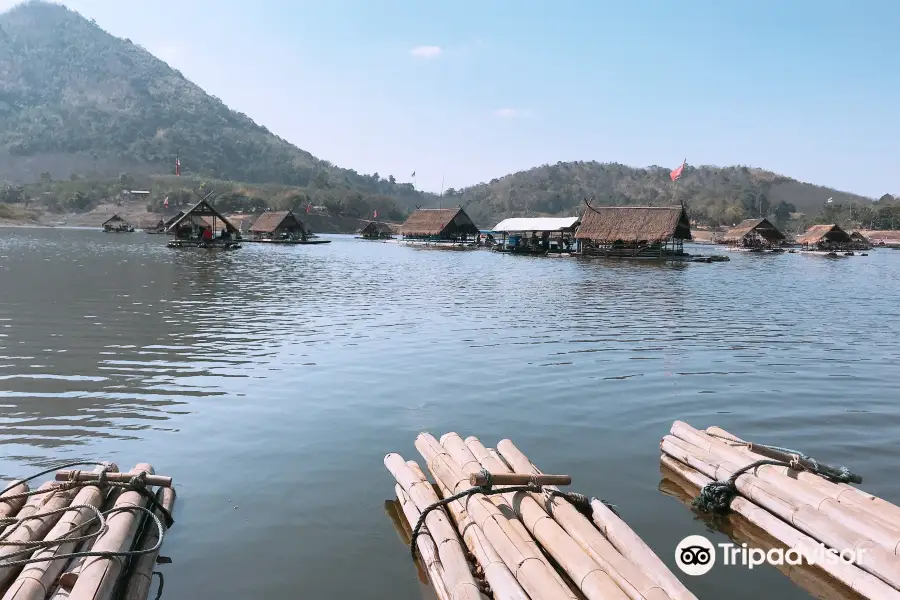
83	113
715	195
75	99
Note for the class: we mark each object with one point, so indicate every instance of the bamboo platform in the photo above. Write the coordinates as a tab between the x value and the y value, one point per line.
801	503
289	242
503	530
87	535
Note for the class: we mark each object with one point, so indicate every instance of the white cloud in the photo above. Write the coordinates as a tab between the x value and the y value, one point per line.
511	113
427	51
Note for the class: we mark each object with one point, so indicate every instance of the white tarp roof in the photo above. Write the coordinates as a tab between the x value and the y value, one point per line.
536	224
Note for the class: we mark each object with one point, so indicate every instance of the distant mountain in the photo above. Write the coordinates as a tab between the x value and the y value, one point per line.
714	195
74	98
84	114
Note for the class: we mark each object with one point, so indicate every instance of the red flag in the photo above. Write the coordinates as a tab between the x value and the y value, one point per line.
677	172
166	202
375	214
177	166
307	208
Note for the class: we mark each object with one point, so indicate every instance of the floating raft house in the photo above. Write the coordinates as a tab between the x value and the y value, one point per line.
754	234
188	229
798	501
825	238
116	224
374	230
537	235
440	226
88	535
281	227
633	231
495	508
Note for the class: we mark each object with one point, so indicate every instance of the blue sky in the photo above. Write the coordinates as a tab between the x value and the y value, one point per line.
474	90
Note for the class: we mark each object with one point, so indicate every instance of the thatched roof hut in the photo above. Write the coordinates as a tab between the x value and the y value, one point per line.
750	231
276	223
634	224
824	234
114	221
196	215
374	229
442	223
857	237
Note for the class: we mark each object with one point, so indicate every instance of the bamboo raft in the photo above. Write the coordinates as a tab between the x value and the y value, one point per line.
797	501
525	541
87	535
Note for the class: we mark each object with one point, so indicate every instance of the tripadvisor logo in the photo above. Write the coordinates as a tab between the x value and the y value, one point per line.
696	555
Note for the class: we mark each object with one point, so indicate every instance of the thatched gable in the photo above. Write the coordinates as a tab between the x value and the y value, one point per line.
750	227
171	221
859	238
442	222
270	222
115	221
196	216
824	233
633	224
374	229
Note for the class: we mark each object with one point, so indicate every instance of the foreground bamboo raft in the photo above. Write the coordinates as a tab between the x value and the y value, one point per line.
794	504
88	535
531	542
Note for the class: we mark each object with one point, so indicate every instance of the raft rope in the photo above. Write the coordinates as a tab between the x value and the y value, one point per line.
716	496
136	484
581	502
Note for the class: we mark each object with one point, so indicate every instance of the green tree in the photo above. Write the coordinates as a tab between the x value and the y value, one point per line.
783	212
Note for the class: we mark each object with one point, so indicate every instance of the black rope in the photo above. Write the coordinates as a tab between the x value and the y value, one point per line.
716	496
581	502
162	583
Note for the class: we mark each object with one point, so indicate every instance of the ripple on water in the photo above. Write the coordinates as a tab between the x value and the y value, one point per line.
304	366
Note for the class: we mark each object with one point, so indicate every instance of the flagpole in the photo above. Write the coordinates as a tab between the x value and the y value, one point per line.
441	197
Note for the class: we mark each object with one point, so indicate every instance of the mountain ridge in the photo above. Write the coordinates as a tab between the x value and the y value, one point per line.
83	111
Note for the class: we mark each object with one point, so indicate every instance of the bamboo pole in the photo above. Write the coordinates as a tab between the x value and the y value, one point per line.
150	480
874	558
879	530
587	574
503	584
503	502
98	574
9	508
850	575
36	579
620	537
34	528
634	582
815	581
70	574
538	580
458	576
427	549
842	492
141	575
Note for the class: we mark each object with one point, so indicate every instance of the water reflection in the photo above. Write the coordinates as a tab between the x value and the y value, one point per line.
275	379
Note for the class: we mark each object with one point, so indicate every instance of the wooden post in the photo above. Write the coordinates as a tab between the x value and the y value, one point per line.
141	576
479	479
36	580
98	575
150	480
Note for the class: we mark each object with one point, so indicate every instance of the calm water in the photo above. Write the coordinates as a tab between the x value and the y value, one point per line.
270	382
